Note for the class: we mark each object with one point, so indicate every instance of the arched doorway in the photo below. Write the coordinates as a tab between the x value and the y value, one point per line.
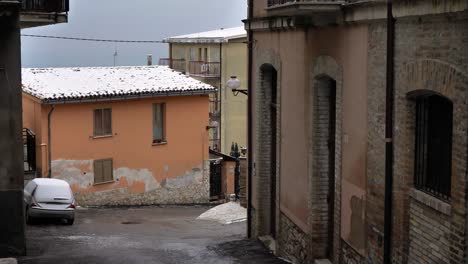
323	174
267	147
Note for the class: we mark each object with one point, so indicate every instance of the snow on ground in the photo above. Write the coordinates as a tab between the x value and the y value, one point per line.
227	213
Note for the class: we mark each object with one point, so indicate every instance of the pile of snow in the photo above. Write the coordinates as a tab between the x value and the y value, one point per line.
227	213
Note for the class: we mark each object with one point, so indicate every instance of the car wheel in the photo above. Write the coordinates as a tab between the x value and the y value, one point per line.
70	221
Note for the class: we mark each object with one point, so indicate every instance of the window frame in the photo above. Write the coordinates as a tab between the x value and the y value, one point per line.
102	161
95	134
428	113
164	124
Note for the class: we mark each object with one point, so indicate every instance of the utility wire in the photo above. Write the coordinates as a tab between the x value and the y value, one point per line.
93	39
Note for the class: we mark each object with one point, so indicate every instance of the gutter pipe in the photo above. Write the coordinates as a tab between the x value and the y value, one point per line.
49	149
249	120
389	105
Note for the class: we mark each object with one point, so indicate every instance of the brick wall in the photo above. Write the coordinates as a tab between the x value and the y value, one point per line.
243	181
328	66
429	55
429	229
263	161
320	179
376	142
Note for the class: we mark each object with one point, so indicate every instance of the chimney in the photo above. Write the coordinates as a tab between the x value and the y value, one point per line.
149	59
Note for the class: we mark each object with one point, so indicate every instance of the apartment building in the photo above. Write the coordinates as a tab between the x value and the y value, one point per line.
213	57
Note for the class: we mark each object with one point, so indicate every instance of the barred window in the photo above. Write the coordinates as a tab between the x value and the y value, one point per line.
433	148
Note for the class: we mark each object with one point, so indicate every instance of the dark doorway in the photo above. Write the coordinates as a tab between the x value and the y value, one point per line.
215	179
331	166
323	194
269	142
273	144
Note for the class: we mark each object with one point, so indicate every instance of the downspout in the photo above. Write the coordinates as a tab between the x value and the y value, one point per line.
49	149
220	124
389	105
249	120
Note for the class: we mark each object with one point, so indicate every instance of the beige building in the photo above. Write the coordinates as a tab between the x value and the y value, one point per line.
213	57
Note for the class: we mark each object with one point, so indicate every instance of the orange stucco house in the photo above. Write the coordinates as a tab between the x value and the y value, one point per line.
120	135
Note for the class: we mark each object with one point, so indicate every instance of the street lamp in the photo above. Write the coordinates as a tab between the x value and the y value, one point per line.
234	84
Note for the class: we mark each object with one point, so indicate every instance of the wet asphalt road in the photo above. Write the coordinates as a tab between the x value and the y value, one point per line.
142	235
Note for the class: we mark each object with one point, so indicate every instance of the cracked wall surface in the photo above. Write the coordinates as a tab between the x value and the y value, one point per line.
133	186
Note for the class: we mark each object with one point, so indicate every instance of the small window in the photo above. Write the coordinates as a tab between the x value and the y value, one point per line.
433	148
159	119
102	122
103	171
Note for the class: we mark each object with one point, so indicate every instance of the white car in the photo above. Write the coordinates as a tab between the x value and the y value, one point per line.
49	198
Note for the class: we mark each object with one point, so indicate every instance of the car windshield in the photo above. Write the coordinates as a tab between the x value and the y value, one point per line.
53	193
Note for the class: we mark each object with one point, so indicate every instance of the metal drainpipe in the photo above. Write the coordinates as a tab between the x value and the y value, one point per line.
249	121
49	152
220	124
389	105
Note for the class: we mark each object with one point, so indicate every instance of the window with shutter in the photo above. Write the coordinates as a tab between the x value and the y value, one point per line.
102	122
103	171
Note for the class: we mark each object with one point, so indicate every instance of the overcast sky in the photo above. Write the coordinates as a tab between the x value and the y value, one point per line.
125	19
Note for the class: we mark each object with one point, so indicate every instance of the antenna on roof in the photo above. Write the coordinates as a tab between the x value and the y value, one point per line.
115	55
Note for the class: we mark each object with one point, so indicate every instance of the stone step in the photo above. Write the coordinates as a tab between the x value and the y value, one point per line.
8	261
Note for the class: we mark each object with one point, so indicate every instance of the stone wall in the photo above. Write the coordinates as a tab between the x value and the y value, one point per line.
349	255
292	242
133	187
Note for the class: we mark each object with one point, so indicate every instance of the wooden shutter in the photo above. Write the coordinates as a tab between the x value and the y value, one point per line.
98	171
107	121
107	170
97	122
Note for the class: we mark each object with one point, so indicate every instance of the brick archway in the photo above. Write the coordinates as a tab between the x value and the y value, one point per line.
266	171
323	70
446	80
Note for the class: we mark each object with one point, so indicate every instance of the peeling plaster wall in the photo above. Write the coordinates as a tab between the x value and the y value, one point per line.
176	172
133	186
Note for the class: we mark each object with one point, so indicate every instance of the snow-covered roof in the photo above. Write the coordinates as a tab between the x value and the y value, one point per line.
214	36
104	83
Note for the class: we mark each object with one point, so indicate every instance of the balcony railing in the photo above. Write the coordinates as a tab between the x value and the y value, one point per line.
282	2
45	6
175	64
205	69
